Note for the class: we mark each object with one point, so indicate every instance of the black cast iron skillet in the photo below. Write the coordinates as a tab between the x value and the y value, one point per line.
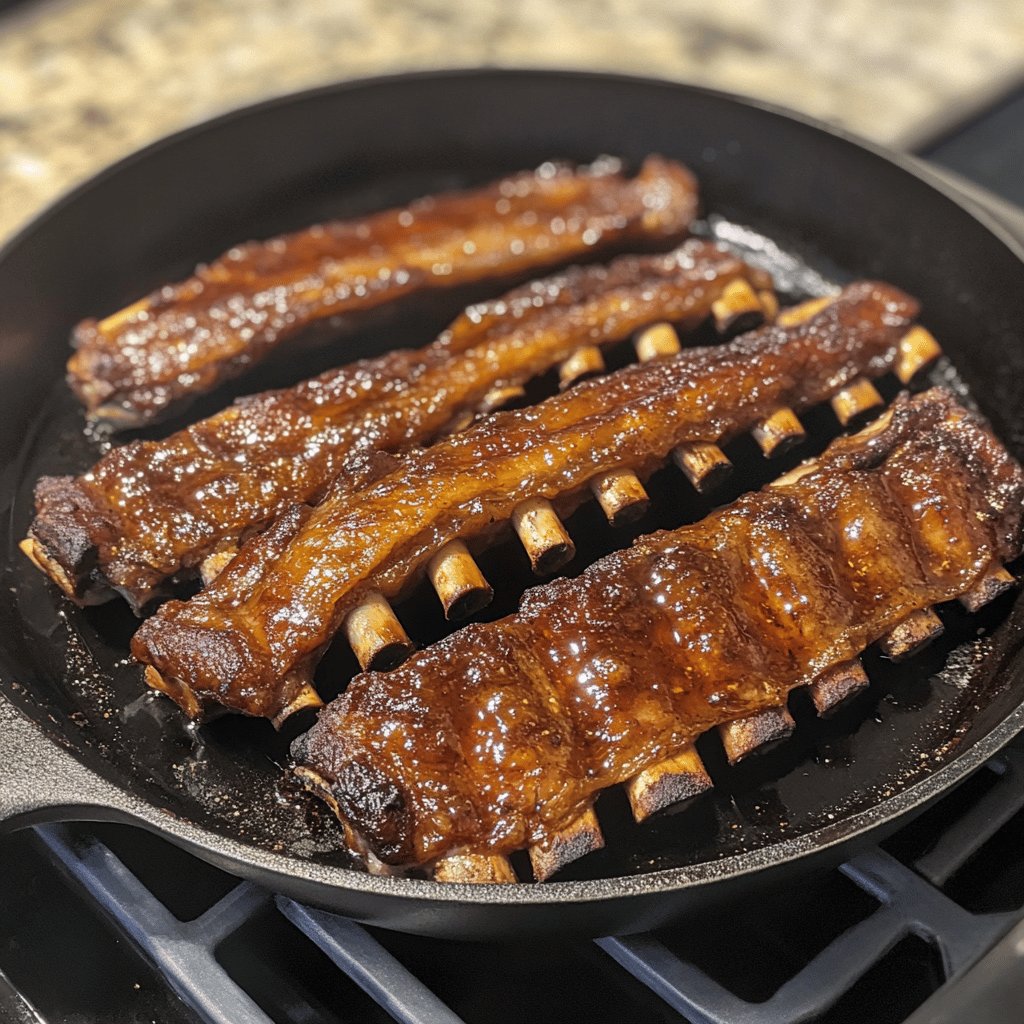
78	739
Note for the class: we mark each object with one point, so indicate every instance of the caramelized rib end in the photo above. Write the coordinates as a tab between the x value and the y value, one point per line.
913	634
670	784
743	736
569	844
838	685
995	583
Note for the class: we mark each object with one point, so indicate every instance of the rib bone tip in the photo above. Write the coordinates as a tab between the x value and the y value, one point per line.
738	308
621	496
584	362
307	697
913	634
855	402
546	540
501	397
376	635
656	340
988	589
459	583
475	869
794	315
314	782
668	785
838	685
576	840
706	466
113	323
37	555
743	736
778	432
770	304
212	566
918	349
182	694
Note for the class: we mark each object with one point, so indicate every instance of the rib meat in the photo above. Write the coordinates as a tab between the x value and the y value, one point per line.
500	735
151	511
251	640
185	339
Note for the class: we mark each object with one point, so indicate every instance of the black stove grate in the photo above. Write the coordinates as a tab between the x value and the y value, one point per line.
909	911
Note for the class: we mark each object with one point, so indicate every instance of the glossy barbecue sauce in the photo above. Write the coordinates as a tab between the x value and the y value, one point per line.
253	637
492	739
186	338
150	511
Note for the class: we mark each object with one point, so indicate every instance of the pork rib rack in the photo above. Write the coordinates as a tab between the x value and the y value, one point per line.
499	737
151	512
135	365
251	640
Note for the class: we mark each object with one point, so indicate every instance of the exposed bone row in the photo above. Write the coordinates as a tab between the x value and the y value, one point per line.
677	780
376	635
462	588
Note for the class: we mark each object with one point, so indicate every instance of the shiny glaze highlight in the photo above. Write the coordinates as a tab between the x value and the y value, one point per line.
151	511
250	641
494	738
186	338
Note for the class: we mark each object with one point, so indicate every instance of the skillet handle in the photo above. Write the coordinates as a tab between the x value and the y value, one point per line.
40	781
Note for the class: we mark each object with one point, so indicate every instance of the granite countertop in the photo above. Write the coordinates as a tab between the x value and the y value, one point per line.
84	82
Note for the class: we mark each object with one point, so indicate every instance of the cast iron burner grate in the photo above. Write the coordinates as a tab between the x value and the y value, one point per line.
912	937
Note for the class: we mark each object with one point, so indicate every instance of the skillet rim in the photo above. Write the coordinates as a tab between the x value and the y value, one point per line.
116	800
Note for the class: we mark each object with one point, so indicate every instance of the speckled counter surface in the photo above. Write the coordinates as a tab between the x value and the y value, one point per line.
84	82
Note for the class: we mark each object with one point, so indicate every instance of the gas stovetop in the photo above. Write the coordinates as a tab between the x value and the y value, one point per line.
107	923
871	941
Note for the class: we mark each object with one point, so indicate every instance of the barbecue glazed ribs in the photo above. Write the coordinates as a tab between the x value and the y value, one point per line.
500	736
184	339
252	639
152	511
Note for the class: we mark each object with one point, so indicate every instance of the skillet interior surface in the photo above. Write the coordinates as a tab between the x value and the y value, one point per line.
835	210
